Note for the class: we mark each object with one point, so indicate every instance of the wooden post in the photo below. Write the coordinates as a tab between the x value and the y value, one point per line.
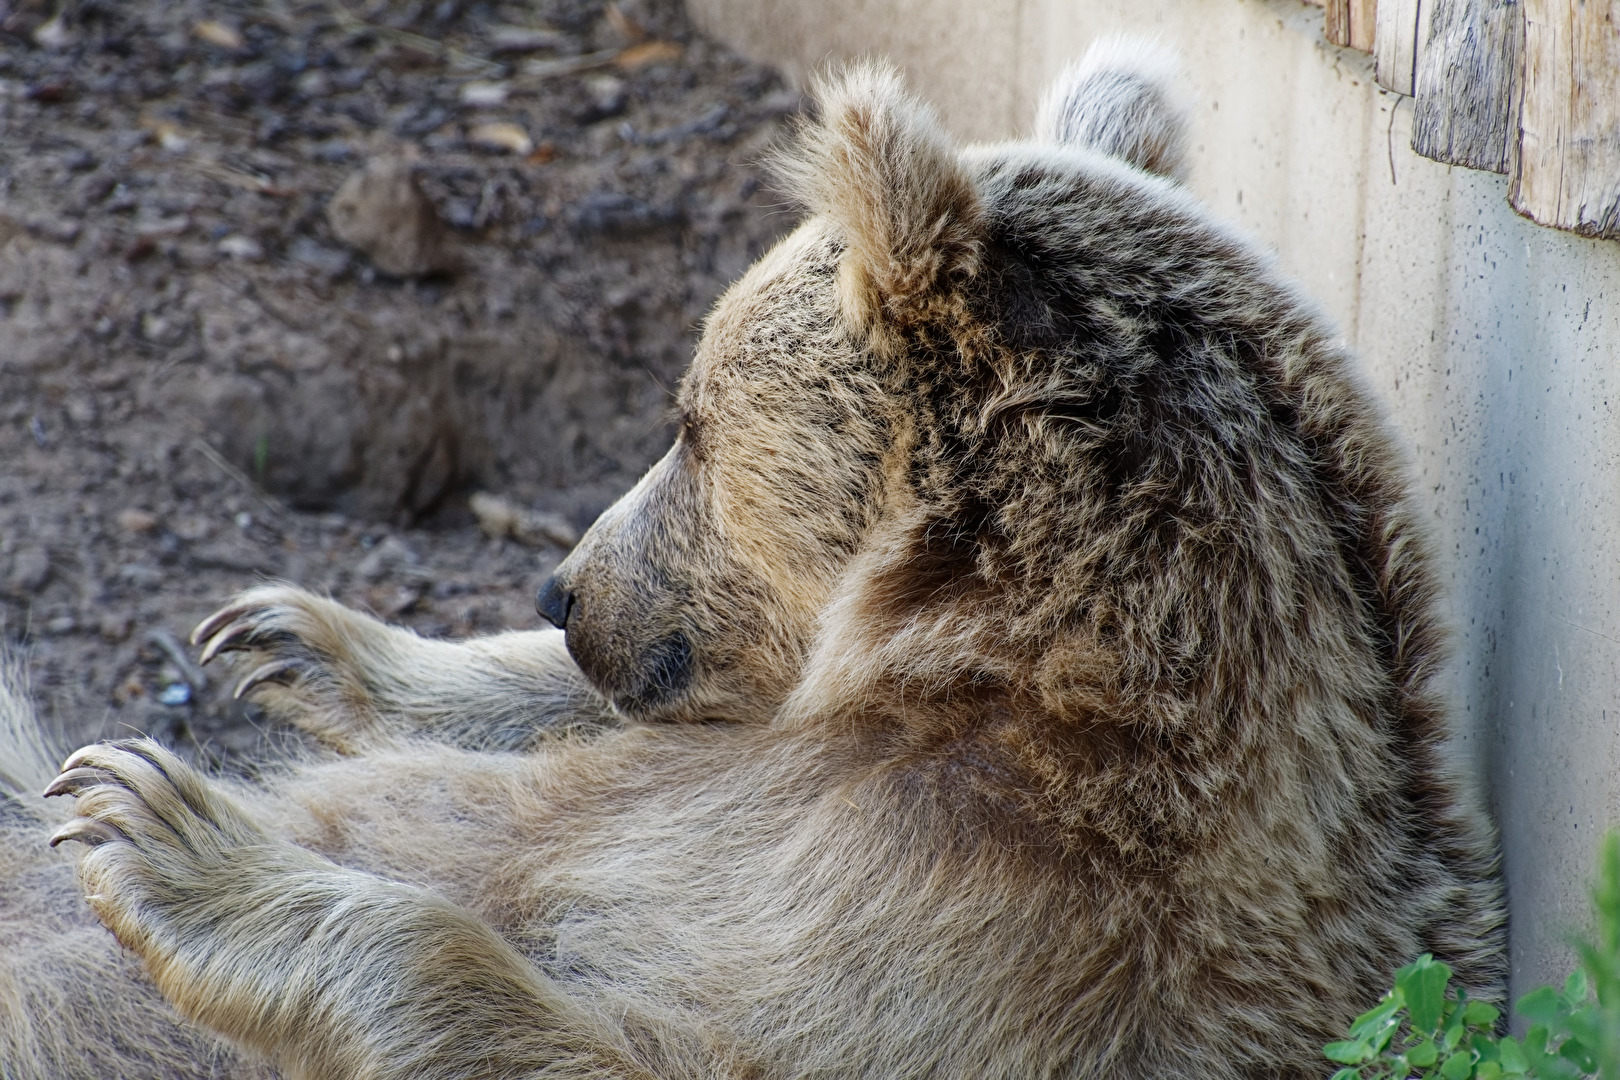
1395	44
1467	84
1568	161
1352	23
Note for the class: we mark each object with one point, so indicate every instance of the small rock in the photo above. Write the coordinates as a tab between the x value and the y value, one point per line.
639	56
81	409
53	34
193	527
501	136
61	625
30	570
391	554
154	327
483	94
313	84
61	229
140	575
332	150
219	34
160	227
237	246
175	694
524	39
382	212
131	689
607	94
318	257
136	520
115	626
500	518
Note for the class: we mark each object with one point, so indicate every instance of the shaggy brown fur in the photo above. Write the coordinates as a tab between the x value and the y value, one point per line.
1020	666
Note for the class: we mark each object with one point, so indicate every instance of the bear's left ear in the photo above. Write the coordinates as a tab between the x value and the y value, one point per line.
878	164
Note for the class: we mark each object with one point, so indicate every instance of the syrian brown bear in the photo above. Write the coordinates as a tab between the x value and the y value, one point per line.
1022	664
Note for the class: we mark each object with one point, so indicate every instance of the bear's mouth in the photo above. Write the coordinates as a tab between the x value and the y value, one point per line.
666	670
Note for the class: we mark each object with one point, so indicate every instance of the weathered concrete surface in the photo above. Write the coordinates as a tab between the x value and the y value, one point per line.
1495	343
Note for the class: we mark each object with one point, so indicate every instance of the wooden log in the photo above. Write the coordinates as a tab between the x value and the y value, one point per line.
1395	44
1352	23
1567	169
1467	84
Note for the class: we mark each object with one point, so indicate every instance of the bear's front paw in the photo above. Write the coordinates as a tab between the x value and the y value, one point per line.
284	627
307	658
162	838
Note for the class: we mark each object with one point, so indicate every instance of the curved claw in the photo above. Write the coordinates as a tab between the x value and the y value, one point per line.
211	625
227	640
263	673
87	831
72	781
75	759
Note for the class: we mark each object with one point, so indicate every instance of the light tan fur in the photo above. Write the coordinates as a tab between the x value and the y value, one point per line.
1020	666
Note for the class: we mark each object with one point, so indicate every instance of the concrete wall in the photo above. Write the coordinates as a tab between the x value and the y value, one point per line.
1495	343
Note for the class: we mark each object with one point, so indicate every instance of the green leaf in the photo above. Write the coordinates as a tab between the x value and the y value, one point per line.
1543	1005
1423	1054
1481	1014
1512	1055
1488	1070
1458	1066
1423	984
1544	1063
1377	1016
1575	989
1348	1052
1576	1051
1347	1074
1557	1068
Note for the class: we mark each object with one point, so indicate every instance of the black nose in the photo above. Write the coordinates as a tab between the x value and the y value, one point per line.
554	602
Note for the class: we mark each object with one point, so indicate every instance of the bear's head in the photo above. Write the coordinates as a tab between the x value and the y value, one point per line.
1018	427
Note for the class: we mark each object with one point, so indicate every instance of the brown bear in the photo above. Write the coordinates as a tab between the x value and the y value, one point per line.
1019	666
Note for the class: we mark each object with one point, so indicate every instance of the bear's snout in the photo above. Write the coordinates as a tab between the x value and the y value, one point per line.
554	602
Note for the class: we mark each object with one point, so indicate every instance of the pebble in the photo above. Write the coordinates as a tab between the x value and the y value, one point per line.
525	39
237	246
501	136
391	554
382	212
175	694
501	518
483	94
318	257
30	570
136	520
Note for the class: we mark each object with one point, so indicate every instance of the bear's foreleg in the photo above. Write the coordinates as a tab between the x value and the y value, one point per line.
354	681
329	972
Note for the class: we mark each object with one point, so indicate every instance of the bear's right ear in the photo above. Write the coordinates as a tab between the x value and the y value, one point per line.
1123	98
877	163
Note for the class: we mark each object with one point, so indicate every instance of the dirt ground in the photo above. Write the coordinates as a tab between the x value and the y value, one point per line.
202	385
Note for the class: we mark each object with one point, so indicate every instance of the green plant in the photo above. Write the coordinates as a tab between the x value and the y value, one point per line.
1422	1028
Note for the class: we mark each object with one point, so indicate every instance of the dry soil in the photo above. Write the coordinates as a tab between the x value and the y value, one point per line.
202	385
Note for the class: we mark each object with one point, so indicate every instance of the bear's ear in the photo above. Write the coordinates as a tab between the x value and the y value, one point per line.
1122	98
877	163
